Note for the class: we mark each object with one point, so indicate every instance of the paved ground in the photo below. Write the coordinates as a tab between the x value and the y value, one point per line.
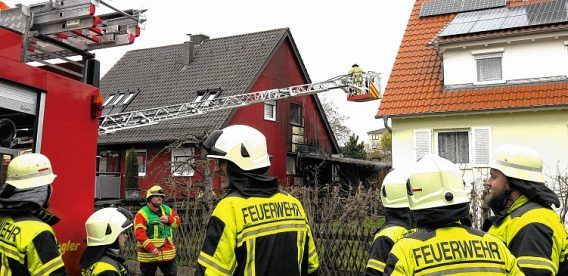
135	270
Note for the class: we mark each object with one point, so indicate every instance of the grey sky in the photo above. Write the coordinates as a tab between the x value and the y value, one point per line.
331	35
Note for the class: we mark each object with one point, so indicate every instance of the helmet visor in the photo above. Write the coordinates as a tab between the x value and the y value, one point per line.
209	144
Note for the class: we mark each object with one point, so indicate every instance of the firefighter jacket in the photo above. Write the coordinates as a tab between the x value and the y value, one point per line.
454	249
152	234
106	266
398	224
28	247
258	236
534	234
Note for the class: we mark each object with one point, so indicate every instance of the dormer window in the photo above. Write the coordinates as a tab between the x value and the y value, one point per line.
489	67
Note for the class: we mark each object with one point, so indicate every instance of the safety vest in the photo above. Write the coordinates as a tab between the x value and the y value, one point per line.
105	266
382	245
456	249
28	247
258	236
157	233
534	234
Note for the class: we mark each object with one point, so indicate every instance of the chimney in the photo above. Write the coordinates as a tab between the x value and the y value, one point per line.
189	47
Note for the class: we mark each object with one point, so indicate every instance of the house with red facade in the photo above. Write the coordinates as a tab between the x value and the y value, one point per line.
298	133
472	76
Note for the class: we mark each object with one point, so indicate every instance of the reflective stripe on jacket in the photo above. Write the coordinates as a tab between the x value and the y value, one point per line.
455	249
535	236
28	247
258	236
382	245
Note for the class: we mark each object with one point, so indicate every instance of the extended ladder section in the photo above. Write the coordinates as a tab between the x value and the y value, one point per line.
58	30
134	119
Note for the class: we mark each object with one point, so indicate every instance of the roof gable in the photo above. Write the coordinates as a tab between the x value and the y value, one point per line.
415	84
231	63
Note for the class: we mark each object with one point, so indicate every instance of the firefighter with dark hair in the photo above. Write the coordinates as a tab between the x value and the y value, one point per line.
105	238
256	229
356	73
398	221
443	246
27	242
522	204
154	228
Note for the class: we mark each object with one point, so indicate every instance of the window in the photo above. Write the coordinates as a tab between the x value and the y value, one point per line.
141	158
454	146
207	94
181	162
108	100
120	96
270	110
489	67
296	114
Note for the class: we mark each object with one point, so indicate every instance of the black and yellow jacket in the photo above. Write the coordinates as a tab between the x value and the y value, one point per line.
534	234
258	236
106	266
398	224
454	249
28	247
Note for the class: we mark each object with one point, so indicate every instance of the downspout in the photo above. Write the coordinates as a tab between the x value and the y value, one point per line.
436	46
386	123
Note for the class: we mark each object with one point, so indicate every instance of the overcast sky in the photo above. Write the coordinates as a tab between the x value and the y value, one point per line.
330	35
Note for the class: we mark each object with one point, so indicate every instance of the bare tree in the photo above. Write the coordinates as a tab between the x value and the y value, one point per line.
558	182
336	120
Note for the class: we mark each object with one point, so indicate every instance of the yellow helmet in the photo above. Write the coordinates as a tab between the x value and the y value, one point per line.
393	190
155	191
240	144
30	171
435	182
104	226
519	162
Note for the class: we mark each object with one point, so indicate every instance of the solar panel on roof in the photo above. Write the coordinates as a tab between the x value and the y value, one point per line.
439	7
506	18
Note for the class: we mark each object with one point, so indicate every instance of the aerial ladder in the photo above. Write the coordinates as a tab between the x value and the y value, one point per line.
369	88
55	31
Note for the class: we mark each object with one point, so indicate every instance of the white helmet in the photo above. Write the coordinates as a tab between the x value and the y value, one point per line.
435	182
393	190
242	145
104	226
519	162
30	170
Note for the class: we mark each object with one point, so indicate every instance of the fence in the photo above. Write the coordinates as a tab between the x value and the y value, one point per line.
342	221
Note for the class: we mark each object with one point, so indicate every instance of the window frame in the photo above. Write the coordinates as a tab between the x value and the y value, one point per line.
145	152
273	104
301	115
469	142
488	55
183	152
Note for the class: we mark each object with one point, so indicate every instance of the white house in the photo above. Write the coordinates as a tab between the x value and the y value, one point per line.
469	79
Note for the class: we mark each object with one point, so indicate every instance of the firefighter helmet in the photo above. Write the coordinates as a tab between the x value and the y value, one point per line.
393	190
155	191
519	162
435	182
30	171
240	144
104	226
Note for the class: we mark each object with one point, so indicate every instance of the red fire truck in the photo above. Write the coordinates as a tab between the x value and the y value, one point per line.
50	103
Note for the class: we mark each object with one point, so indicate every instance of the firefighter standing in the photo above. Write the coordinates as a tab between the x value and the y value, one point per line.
255	230
524	219
398	221
27	242
105	237
153	228
357	74
442	245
